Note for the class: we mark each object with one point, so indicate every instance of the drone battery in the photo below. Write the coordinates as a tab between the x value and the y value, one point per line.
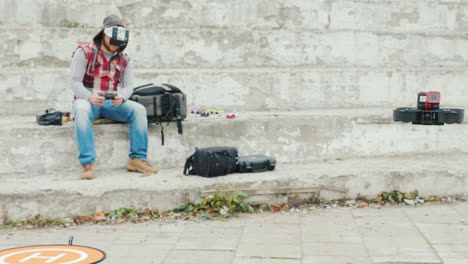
256	163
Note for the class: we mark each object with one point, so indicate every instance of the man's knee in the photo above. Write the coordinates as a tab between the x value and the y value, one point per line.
138	115
81	107
138	109
83	113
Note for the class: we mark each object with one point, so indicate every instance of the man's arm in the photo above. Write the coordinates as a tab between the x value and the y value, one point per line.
127	82
78	69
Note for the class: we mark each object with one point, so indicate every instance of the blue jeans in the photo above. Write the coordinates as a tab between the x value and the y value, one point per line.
130	111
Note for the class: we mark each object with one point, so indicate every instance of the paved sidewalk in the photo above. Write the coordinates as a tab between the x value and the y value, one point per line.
425	234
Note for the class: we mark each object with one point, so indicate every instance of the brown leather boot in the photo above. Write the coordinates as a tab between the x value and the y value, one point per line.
88	172
141	166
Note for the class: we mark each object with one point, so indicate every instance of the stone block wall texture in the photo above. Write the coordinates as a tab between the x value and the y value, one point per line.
247	55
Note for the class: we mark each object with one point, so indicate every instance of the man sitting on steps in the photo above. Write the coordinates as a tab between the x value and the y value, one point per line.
97	68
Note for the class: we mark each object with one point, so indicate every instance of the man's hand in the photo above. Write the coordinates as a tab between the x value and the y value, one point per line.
97	99
118	100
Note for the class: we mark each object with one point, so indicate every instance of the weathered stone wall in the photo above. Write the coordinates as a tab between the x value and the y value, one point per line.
247	55
314	81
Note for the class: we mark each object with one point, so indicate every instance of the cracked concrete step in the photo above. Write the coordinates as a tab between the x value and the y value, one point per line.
297	136
26	91
60	194
221	48
391	16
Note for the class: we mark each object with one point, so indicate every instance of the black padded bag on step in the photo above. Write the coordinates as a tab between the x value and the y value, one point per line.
212	161
49	117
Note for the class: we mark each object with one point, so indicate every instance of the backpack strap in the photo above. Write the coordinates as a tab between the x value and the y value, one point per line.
170	114
154	106
162	128
178	117
188	166
179	126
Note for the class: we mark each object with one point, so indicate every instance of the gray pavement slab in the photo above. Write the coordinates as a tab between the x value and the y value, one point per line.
462	211
390	235
455	254
335	249
330	237
433	214
279	240
209	238
242	260
199	257
451	234
335	260
272	250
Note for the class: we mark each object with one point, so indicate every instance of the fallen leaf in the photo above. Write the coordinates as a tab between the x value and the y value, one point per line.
275	208
98	216
363	204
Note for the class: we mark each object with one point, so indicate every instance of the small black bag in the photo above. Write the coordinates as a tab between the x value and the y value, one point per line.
256	163
49	117
212	161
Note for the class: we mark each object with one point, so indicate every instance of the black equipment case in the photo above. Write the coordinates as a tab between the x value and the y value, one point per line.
163	103
256	163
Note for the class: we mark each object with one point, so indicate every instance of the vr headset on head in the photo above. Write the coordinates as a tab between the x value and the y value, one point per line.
118	35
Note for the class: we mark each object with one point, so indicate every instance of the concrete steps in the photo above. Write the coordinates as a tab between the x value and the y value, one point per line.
314	82
60	194
26	91
299	136
389	15
247	55
224	48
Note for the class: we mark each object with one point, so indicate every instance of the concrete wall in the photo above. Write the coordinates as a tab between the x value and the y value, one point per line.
309	58
320	79
247	55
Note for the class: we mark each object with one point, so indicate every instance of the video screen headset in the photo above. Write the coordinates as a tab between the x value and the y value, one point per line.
118	36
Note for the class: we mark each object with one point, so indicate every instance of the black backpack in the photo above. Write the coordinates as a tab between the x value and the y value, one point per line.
212	161
163	103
